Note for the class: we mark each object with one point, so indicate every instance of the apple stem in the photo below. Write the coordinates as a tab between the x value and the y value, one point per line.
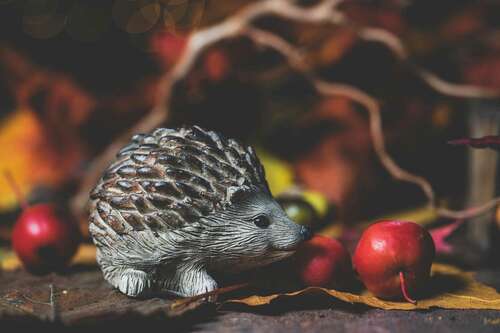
404	289
15	188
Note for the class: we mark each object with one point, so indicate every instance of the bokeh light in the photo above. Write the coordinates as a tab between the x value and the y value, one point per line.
181	15
43	19
136	16
87	22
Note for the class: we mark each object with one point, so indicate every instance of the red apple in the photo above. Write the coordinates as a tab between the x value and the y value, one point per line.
324	262
394	258
44	239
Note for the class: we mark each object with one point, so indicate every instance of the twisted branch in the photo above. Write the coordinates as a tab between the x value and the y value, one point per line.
294	59
326	11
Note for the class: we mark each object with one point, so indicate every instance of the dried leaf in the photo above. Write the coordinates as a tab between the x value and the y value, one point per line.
190	302
449	288
490	141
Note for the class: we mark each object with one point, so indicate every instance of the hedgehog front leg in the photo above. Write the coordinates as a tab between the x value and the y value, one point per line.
135	283
132	282
188	281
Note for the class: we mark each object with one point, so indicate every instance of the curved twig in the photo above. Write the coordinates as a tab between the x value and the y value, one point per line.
293	56
325	11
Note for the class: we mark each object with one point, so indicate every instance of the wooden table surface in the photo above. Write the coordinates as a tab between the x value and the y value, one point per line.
85	301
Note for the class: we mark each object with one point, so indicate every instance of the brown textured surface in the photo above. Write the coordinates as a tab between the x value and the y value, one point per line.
330	320
90	302
80	296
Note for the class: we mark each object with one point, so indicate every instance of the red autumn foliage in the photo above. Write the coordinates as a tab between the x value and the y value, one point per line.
335	166
216	65
168	47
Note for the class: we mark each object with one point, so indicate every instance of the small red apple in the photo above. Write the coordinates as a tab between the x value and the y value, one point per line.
324	262
394	258
44	239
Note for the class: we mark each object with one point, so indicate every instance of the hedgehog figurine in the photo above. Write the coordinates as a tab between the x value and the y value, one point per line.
179	206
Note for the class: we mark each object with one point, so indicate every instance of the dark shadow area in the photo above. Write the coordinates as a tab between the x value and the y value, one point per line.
442	283
310	301
127	323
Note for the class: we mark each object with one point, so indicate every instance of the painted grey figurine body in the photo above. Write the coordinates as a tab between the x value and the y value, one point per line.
179	205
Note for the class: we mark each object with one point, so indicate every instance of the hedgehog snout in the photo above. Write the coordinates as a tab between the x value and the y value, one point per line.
305	232
287	235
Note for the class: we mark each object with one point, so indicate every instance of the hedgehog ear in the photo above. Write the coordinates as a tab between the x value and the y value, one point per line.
237	193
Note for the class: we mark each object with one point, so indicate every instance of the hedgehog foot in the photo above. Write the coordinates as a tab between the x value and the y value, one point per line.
131	282
135	283
188	281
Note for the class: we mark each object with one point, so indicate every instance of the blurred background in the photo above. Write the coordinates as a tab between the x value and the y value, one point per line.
75	76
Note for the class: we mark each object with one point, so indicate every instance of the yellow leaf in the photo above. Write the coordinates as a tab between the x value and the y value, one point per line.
449	288
9	262
30	156
279	174
422	215
85	255
317	200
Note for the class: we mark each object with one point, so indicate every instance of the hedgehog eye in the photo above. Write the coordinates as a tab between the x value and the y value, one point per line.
261	221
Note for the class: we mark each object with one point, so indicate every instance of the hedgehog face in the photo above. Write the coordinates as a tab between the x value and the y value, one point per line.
256	231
